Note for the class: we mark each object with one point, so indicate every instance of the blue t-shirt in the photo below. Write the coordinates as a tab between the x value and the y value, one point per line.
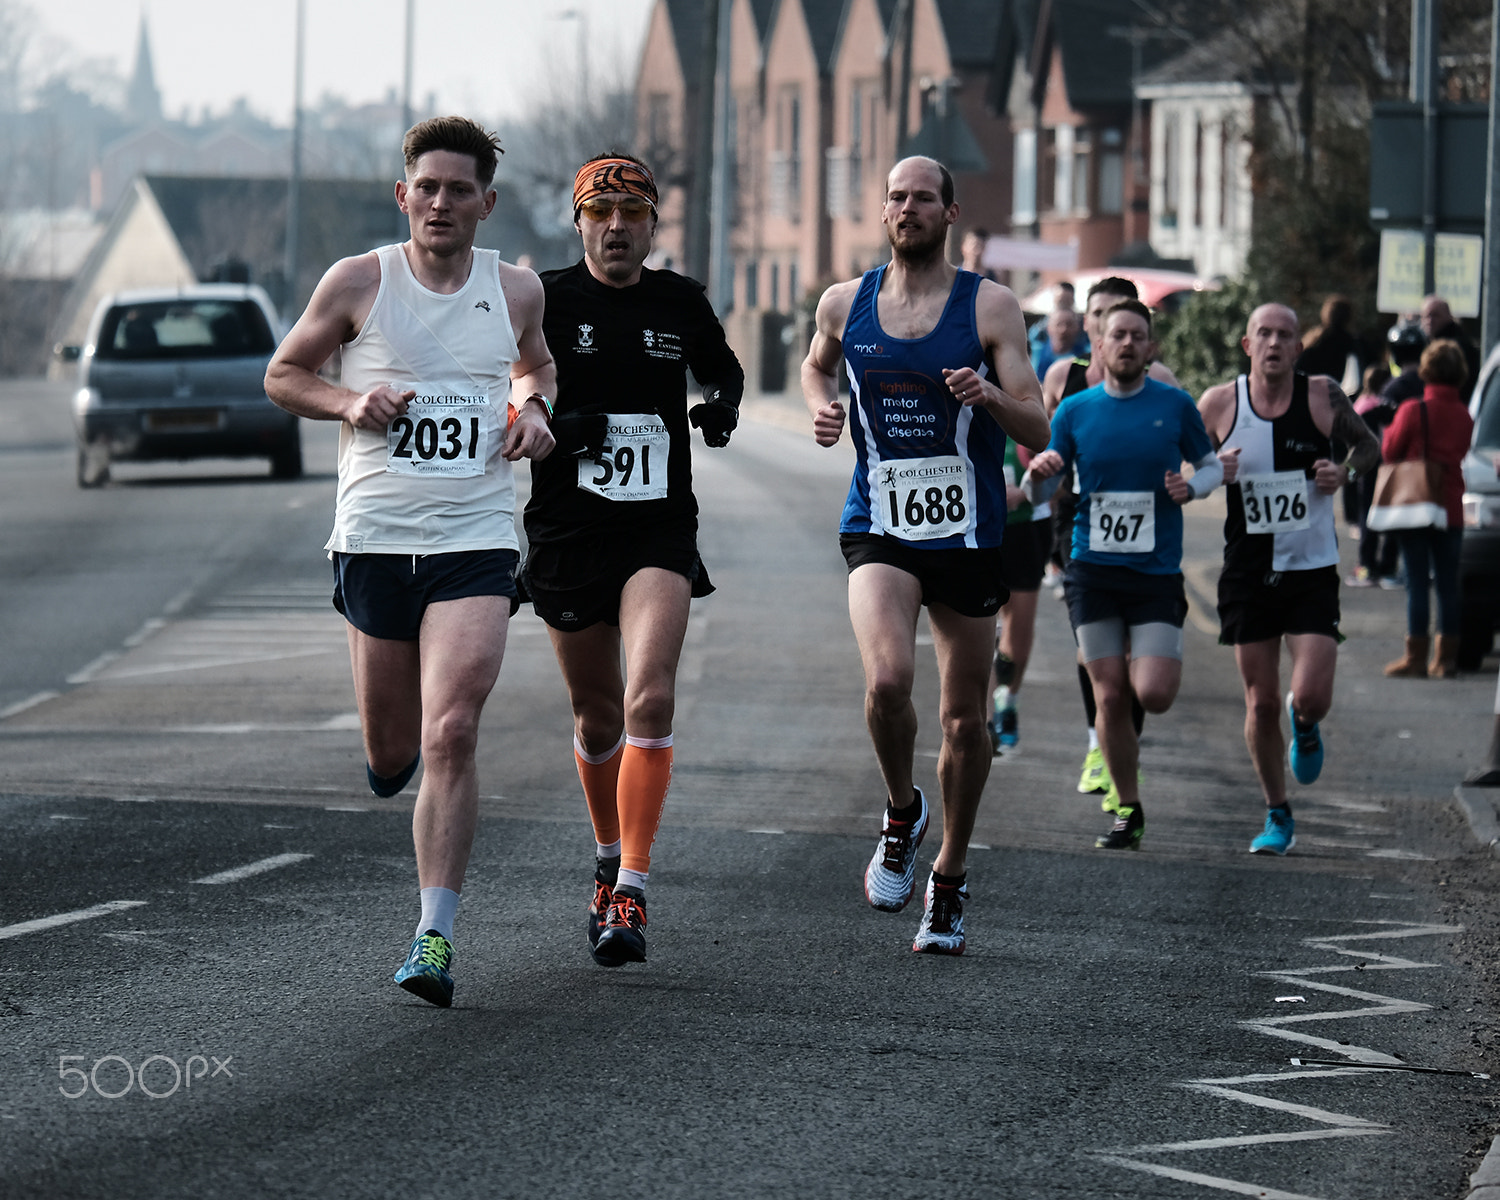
1121	451
928	469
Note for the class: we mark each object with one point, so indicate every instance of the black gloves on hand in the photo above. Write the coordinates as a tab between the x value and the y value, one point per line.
716	419
581	434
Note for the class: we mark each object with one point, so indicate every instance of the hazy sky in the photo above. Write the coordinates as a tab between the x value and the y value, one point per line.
481	57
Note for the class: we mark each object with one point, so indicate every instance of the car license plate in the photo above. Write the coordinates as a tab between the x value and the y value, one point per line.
184	420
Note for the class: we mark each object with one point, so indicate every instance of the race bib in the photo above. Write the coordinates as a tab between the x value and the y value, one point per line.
924	498
444	431
633	463
1122	522
1275	502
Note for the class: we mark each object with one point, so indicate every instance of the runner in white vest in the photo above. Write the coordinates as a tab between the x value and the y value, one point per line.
1274	429
435	339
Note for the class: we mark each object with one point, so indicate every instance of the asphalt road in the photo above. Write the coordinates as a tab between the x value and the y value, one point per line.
200	911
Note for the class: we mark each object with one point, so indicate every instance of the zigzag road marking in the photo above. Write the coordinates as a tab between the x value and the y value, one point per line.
1338	1125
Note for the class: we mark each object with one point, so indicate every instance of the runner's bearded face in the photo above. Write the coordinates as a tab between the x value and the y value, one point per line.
443	198
916	223
1126	349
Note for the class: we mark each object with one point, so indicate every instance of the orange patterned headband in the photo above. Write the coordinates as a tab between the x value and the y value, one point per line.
613	175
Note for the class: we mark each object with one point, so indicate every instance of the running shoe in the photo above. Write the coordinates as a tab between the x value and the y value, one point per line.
1125	834
1010	728
1304	754
604	894
993	725
1279	835
425	971
623	938
892	873
1360	578
1095	779
1391	583
942	927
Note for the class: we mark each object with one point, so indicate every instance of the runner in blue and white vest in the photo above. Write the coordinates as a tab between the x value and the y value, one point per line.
938	378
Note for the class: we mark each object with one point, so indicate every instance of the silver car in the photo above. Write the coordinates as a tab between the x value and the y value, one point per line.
1479	557
177	373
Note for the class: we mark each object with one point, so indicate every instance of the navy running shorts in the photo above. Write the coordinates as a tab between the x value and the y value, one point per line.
1102	593
967	581
385	595
1023	554
576	582
1281	602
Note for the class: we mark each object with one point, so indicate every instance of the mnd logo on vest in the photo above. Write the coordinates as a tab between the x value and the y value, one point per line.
908	407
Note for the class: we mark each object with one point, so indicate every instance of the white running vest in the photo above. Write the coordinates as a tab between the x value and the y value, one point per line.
434	482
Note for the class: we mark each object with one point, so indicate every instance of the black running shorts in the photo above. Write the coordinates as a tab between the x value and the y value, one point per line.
576	582
1023	554
967	581
1101	593
385	595
1278	603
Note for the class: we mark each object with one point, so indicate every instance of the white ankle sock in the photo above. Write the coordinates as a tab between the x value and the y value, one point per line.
439	907
635	879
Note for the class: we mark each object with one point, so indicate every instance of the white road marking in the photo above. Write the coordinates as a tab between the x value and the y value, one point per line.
21	706
259	867
1223	1185
67	918
93	668
362	808
1338	1124
768	832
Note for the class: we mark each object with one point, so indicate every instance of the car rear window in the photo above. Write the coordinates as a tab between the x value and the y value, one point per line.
184	329
1487	434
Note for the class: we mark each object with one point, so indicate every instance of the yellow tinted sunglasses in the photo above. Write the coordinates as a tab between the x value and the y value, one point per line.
632	209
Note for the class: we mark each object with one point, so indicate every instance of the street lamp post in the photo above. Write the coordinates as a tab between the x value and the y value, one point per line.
294	180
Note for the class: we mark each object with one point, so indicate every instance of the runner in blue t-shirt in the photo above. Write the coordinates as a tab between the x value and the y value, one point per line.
1127	439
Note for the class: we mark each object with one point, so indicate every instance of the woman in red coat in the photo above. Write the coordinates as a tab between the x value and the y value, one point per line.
1431	554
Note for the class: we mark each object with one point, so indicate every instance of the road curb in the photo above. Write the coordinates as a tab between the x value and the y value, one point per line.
1479	808
1484	1184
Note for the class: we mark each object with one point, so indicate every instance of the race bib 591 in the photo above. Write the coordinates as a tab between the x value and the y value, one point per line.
633	463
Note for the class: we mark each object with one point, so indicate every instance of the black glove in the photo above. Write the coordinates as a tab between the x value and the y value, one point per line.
716	419
581	434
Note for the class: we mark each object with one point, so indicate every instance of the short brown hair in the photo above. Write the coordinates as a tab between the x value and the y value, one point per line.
459	135
1130	306
1443	362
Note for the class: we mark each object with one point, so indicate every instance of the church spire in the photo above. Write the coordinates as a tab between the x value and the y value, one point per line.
142	98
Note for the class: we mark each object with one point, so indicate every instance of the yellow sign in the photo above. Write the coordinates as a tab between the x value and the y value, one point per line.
1457	271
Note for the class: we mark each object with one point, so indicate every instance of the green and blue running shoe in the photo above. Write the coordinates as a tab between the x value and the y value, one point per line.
1095	780
1010	728
1279	835
425	971
1305	752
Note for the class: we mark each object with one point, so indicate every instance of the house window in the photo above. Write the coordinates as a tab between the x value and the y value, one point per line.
658	124
1227	166
791	286
1082	144
1198	172
1062	161
1046	170
1171	165
776	286
856	146
1111	172
1023	179
786	157
752	284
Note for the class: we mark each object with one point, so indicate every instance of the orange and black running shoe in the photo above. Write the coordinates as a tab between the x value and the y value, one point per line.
623	938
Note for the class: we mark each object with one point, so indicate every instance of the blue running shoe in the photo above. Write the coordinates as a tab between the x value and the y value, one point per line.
1010	728
623	938
425	971
892	873
1305	753
1279	835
